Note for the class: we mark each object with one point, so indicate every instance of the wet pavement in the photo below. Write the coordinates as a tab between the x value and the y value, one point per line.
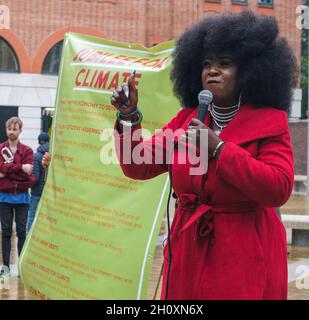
298	263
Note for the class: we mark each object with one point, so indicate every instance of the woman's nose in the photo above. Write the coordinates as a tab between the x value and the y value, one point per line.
213	70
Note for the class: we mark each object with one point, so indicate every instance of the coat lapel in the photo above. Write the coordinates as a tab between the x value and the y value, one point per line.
253	123
250	124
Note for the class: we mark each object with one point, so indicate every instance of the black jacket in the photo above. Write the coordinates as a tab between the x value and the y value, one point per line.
38	170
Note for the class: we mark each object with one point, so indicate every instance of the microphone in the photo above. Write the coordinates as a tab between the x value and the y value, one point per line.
204	98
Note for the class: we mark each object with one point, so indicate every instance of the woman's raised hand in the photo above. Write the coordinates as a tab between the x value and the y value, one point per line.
122	102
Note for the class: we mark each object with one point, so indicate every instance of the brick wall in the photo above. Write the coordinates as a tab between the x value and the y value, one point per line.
286	16
142	21
299	142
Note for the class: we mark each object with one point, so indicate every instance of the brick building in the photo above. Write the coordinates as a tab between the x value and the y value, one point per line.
31	32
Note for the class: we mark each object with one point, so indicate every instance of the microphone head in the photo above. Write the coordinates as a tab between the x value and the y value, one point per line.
205	97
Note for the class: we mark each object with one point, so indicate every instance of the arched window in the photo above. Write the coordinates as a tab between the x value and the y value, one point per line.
52	60
8	58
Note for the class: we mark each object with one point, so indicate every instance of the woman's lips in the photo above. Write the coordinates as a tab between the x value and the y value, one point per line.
212	82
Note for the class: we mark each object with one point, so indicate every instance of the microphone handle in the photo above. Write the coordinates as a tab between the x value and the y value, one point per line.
202	110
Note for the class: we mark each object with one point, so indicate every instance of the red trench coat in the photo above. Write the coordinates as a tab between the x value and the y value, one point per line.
227	240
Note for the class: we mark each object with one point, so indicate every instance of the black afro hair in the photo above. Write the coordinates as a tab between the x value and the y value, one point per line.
267	67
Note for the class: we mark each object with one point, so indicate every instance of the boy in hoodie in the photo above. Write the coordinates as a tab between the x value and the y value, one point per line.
16	165
39	173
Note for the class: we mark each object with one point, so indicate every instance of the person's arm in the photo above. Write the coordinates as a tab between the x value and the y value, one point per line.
268	179
24	167
6	168
24	177
37	171
144	159
18	176
139	159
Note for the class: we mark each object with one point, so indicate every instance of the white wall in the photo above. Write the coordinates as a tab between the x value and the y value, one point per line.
296	105
29	92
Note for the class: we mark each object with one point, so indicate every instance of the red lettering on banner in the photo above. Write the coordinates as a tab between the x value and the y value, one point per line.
162	62
89	78
142	60
114	82
101	81
85	83
137	75
90	55
126	76
77	82
93	78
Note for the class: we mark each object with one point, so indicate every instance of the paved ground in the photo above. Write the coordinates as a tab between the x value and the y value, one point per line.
298	260
298	277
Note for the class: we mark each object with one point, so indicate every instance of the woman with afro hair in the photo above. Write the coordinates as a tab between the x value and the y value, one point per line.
227	241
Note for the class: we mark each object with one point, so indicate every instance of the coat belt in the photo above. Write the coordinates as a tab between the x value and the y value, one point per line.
192	202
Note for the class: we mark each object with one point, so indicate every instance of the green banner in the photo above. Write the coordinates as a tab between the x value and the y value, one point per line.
95	230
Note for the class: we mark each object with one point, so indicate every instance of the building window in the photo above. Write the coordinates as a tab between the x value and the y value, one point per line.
266	3
52	60
240	1
8	58
46	119
5	114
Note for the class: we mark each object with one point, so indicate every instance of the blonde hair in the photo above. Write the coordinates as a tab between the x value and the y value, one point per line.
13	121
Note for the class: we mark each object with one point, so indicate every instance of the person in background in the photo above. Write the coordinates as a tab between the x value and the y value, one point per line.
16	165
39	173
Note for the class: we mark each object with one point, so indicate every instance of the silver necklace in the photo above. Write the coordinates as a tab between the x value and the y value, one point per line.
223	118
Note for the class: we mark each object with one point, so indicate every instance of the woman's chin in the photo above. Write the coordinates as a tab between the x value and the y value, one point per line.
213	88
215	92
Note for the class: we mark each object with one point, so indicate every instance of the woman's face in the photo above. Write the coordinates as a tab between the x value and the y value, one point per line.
219	77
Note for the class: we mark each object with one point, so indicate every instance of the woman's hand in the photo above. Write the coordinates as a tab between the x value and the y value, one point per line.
123	103
46	160
196	136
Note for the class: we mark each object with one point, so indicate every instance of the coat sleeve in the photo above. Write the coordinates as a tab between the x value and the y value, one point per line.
267	179
37	172
8	168
141	159
18	175
25	184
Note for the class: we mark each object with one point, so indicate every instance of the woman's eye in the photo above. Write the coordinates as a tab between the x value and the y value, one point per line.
206	63
225	63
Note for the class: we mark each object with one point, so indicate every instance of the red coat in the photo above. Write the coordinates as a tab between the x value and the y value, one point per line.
227	240
15	180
